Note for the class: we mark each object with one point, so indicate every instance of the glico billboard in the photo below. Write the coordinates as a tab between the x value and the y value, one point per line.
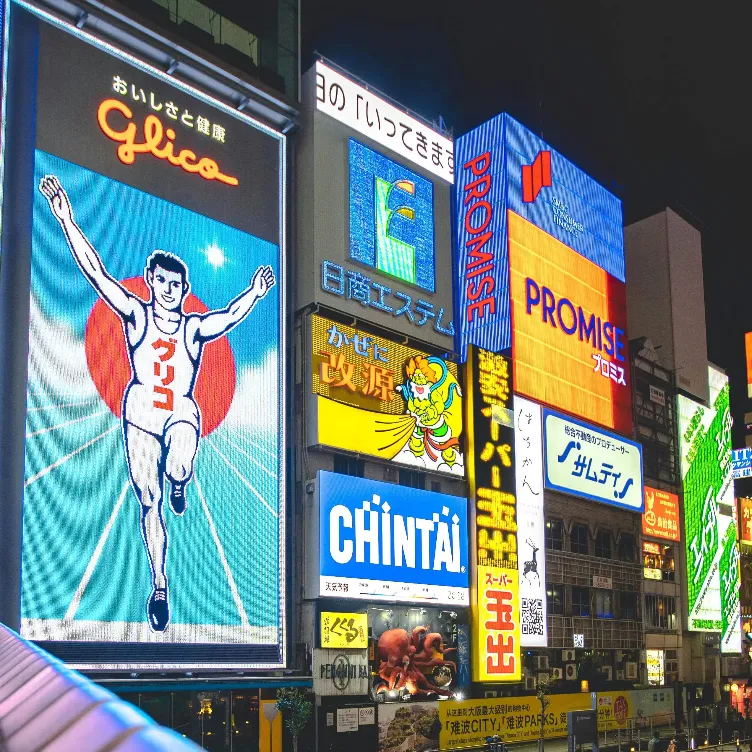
153	507
709	527
541	272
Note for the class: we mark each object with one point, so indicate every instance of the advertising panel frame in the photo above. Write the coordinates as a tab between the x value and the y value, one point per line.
214	655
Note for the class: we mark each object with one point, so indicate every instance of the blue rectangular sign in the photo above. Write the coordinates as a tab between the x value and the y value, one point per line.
384	541
586	461
741	463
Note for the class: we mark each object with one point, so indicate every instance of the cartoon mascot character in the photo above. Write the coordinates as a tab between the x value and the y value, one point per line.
434	399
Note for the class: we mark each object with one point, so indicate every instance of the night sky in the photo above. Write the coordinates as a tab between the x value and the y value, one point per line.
651	98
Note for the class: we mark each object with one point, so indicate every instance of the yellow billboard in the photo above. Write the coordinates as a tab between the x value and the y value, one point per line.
381	398
344	630
515	719
495	597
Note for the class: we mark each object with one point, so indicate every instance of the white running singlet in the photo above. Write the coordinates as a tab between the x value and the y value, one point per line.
160	393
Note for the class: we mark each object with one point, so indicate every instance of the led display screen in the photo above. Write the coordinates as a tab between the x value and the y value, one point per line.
661	517
153	507
541	272
705	451
748	353
384	399
391	218
586	461
491	475
570	318
388	542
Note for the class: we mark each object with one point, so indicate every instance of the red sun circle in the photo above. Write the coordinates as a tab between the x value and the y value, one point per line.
110	369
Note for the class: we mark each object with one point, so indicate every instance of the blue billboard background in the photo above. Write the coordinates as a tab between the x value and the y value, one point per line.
425	509
85	573
391	229
595	230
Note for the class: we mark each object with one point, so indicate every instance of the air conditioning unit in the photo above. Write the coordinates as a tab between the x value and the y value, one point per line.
570	671
567	655
631	671
557	673
619	674
543	678
529	683
607	672
541	661
491	693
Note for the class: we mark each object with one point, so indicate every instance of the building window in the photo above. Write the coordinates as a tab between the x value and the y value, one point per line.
627	547
345	465
579	540
603	544
412	479
628	606
554	535
658	562
660	612
603	601
580	601
555	599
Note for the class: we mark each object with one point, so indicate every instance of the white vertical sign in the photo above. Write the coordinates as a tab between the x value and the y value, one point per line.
531	549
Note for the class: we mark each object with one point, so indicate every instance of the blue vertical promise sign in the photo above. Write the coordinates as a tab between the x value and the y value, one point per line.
384	541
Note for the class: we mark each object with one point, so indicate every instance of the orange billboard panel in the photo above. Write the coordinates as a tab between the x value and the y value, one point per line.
745	521
661	517
569	322
748	349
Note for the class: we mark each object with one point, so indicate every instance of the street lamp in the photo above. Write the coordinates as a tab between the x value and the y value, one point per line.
270	713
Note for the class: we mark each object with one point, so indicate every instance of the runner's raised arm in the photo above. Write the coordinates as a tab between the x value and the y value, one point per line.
88	260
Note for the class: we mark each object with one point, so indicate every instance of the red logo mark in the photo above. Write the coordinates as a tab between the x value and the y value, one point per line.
536	176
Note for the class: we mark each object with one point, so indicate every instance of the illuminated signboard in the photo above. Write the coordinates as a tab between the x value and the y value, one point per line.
382	541
491	474
541	271
344	630
748	351
655	665
391	218
154	505
381	398
528	442
705	452
365	112
728	571
373	200
741	463
745	521
586	461
661	517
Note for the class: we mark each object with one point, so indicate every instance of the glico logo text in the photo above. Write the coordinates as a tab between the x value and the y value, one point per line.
154	133
392	540
563	314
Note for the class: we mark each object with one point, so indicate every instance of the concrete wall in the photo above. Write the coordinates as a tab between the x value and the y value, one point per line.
665	295
687	305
